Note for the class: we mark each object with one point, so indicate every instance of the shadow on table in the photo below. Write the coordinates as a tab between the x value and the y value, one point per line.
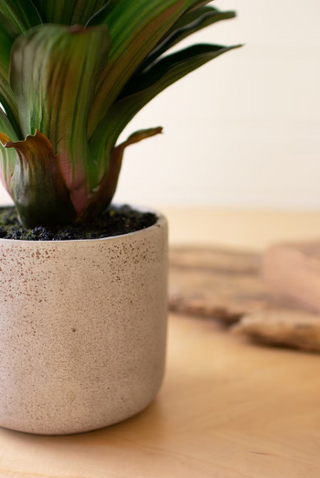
141	422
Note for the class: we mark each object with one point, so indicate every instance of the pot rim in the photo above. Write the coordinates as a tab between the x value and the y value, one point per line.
161	221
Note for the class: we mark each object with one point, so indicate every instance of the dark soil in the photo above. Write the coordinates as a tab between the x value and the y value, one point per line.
115	221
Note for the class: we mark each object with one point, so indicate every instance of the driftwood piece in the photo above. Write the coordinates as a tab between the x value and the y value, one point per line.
227	286
290	328
219	284
294	270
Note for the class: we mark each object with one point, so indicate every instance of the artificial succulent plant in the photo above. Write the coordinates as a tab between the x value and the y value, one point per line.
73	73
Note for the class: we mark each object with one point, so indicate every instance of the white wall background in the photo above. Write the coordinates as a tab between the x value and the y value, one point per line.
244	130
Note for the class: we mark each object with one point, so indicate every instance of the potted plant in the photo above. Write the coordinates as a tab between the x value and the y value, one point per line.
83	285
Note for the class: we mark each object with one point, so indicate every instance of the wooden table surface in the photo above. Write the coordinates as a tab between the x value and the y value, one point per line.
227	409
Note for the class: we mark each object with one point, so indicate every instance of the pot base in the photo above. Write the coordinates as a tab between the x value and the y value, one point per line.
47	430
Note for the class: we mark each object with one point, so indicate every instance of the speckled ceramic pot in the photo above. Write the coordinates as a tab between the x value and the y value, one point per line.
82	330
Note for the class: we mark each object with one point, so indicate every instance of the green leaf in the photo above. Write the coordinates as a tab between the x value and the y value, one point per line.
8	34
136	27
163	74
37	186
53	76
106	190
22	13
188	24
99	18
8	157
68	12
198	4
6	128
194	15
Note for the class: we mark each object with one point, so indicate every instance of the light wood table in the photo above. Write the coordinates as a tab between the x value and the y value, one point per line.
227	409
